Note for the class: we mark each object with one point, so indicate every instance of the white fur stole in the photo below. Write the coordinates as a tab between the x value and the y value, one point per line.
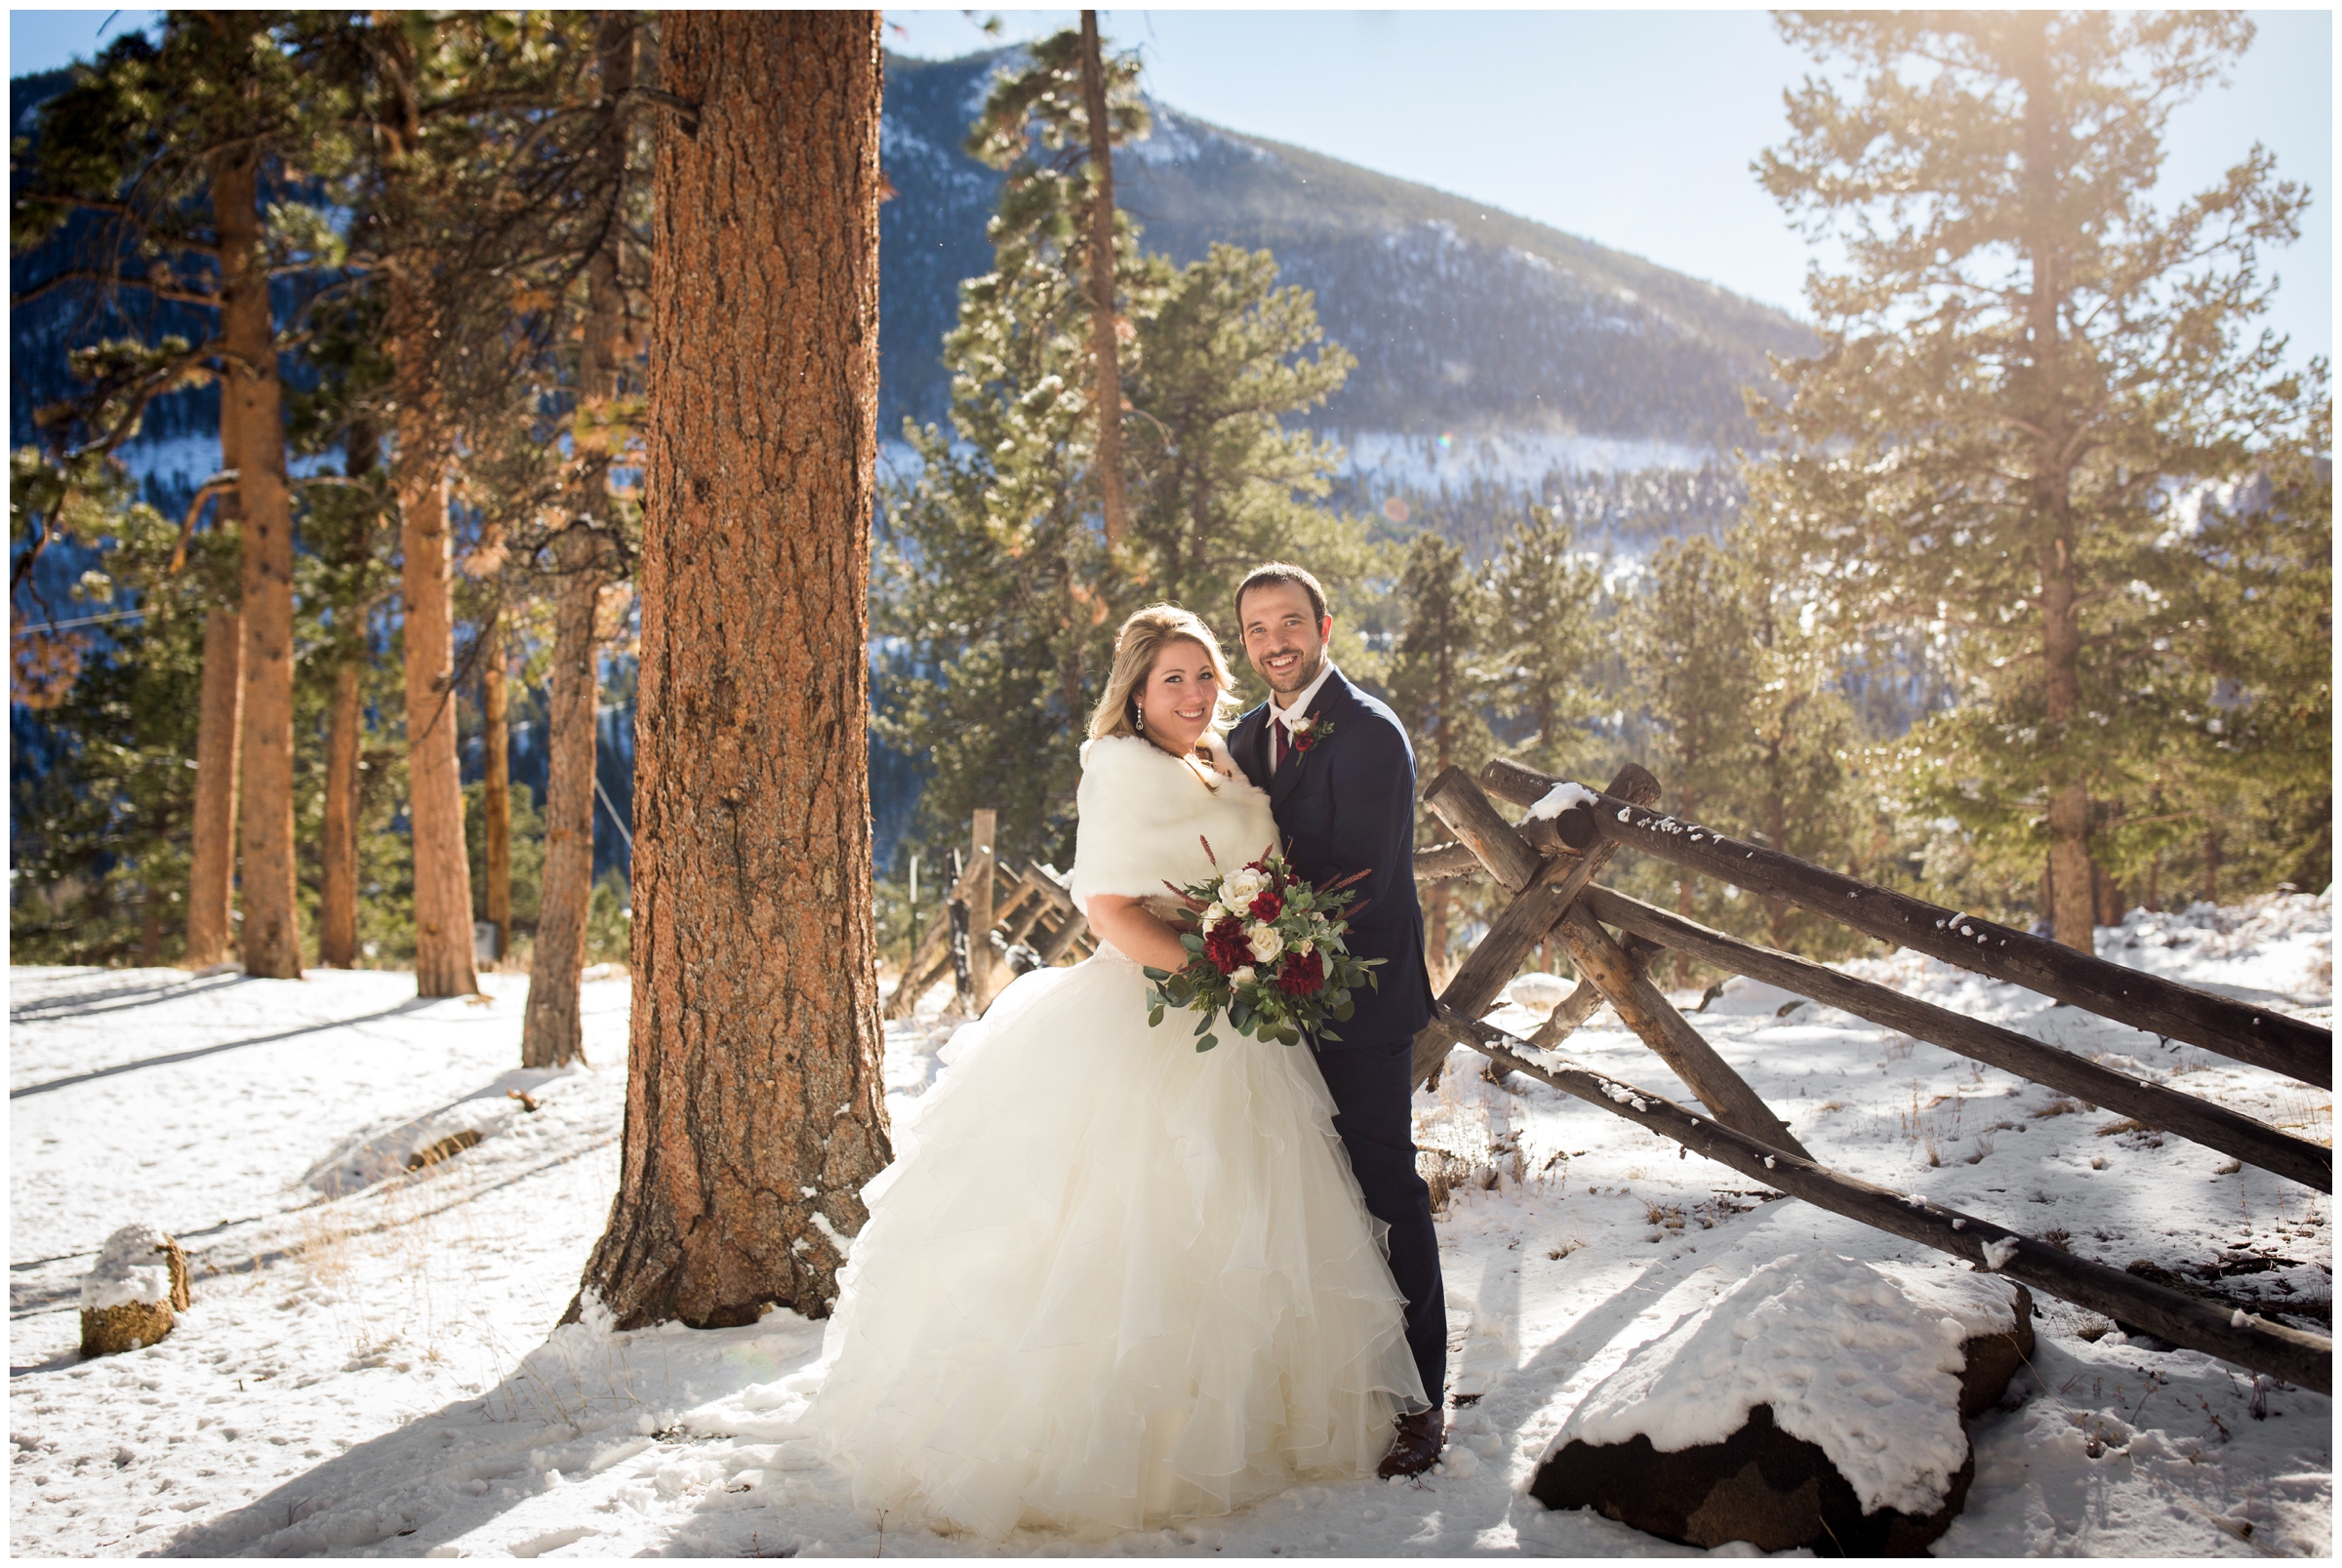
1144	816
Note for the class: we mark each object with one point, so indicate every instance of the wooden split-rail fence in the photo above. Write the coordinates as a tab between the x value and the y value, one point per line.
1017	919
1548	866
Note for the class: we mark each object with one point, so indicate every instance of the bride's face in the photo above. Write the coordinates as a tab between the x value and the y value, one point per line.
1181	695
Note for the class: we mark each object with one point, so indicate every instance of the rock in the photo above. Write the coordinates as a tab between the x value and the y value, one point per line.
132	1298
1818	1334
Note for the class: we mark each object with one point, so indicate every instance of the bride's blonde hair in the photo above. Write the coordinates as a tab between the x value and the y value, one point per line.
1142	638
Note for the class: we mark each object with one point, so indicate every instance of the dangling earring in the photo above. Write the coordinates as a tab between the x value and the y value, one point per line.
1138	720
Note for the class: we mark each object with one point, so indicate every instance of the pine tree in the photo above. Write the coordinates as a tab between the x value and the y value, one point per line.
997	578
1547	629
1440	689
197	157
1221	483
755	1109
2028	349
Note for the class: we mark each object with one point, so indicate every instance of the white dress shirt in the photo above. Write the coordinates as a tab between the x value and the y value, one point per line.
1300	707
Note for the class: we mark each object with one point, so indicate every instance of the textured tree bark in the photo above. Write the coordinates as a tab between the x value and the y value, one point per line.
270	937
551	1032
218	736
754	1103
344	735
496	795
443	955
1103	320
338	895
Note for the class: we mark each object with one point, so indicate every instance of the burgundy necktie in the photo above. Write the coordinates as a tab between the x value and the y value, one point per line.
1282	747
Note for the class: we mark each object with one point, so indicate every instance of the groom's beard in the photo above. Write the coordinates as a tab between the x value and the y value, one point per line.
1304	672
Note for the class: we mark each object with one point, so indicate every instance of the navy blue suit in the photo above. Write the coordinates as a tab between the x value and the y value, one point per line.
1348	804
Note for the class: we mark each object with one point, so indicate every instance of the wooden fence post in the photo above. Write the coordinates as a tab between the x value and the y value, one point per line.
1484	972
979	910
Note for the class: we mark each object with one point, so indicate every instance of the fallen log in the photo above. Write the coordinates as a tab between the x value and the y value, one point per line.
2162	1007
2153	1105
2245	1339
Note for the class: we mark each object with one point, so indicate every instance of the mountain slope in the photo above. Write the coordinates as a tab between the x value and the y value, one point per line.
1462	317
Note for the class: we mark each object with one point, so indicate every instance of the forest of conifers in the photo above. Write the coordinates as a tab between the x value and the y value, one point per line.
2019	596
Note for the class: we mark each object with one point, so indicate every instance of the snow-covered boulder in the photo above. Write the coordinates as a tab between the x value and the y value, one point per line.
132	1297
1816	1403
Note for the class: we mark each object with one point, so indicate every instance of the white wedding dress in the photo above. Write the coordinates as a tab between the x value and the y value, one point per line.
1109	1280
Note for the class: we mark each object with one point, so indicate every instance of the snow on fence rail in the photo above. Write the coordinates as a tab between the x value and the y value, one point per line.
1548	863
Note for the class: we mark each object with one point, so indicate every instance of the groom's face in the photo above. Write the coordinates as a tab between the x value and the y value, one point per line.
1284	636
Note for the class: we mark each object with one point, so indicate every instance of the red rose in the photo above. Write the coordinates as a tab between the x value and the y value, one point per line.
1267	906
1303	973
1224	944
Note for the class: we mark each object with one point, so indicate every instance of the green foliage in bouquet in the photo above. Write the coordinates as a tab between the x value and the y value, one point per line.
1268	952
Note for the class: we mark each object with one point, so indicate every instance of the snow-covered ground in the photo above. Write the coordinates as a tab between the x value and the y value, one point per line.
370	1366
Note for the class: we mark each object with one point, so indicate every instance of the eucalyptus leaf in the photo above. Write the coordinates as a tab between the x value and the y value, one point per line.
1206	1043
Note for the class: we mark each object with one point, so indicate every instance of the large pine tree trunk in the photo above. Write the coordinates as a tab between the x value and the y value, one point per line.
754	1103
1108	390
337	893
496	797
271	930
551	1032
218	735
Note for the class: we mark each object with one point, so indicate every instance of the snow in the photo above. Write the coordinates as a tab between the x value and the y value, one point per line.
1849	1358
374	1369
1513	456
129	1268
1563	796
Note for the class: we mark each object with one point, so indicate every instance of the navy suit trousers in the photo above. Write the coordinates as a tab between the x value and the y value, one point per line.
1369	1080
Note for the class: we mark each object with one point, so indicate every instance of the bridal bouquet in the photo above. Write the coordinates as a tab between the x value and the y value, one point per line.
1268	952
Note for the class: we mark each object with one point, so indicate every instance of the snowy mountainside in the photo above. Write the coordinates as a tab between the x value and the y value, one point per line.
374	1369
1542	349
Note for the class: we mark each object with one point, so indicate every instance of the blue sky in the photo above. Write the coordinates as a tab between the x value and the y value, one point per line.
1631	128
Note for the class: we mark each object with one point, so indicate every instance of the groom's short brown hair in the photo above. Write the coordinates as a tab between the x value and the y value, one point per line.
1275	572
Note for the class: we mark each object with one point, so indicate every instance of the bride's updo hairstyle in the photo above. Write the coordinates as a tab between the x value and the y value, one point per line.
1142	637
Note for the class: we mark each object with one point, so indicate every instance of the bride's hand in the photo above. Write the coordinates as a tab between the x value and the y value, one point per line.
1137	931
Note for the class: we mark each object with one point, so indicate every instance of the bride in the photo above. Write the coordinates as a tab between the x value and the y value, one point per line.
1109	1280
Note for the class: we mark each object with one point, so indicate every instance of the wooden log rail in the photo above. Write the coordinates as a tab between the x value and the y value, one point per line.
2248	1340
1524	923
2165	1109
1020	905
1547	892
2162	1007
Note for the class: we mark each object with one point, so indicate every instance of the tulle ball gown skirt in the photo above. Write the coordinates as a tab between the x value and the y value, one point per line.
1110	1281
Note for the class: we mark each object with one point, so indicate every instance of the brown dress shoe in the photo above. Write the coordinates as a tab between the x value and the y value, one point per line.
1420	1438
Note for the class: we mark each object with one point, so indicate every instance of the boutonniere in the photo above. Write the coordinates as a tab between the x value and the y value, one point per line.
1306	733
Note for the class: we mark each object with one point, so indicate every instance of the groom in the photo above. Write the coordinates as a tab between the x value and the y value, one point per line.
1341	781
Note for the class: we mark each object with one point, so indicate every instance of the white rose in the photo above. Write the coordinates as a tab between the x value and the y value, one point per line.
1243	885
1264	940
1304	946
1242	977
1213	916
